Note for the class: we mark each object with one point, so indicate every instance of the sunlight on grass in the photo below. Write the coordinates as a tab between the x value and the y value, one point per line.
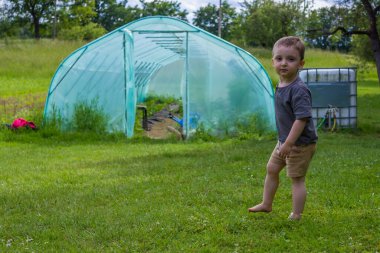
183	197
27	66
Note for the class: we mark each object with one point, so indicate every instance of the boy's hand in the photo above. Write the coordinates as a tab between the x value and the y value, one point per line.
284	150
295	132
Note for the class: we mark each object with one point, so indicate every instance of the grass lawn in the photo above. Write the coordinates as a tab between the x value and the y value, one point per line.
174	197
77	193
26	67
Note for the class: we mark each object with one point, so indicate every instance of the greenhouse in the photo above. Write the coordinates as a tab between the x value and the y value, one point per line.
216	82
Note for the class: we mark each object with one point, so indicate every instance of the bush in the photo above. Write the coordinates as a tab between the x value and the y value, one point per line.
87	33
89	117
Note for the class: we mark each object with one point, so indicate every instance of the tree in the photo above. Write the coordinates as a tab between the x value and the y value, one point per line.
112	14
35	10
265	21
77	20
8	22
162	7
360	19
207	18
81	12
71	13
326	19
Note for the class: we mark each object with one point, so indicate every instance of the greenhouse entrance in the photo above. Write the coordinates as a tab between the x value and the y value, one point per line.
161	82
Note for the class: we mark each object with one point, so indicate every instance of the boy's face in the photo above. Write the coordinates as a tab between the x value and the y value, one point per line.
287	61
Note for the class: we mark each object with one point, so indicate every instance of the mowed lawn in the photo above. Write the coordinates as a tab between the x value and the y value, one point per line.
175	197
80	194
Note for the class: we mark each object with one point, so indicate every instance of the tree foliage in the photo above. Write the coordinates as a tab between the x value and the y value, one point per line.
76	20
31	10
360	18
71	18
265	21
164	8
326	19
207	18
345	24
112	14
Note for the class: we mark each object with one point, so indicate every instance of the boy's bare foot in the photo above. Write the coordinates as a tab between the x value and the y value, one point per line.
260	208
295	217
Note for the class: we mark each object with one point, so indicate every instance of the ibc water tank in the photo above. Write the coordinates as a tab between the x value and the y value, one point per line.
333	88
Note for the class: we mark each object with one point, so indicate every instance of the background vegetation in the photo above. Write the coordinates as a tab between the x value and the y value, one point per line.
346	25
255	23
27	67
83	192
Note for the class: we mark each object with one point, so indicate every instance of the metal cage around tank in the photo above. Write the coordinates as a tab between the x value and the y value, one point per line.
333	88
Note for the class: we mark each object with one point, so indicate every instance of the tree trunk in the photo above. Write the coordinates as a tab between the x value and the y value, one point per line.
373	33
36	23
375	42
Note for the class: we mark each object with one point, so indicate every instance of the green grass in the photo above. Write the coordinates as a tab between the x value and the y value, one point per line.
81	192
175	197
26	69
368	106
27	66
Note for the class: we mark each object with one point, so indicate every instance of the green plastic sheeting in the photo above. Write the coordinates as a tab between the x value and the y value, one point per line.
217	81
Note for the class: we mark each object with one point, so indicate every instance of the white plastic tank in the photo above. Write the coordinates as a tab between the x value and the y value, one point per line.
320	75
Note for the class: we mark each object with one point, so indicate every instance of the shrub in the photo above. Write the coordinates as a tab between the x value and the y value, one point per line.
52	124
89	117
87	33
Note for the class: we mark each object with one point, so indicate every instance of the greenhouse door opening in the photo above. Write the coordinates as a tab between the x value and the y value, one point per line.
161	81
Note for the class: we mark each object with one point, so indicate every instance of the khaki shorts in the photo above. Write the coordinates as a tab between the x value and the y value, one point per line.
298	160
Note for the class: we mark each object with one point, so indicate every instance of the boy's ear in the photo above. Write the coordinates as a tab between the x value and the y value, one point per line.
302	63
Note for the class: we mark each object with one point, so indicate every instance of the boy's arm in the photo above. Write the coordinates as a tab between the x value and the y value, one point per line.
295	132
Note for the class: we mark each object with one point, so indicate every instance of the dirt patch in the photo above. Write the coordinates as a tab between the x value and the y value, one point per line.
163	128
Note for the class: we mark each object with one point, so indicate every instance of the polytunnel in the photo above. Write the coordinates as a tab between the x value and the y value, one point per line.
215	80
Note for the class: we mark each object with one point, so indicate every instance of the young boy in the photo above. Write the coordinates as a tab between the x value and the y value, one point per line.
297	137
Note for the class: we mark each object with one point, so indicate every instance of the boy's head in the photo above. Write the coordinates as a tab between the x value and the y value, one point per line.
291	41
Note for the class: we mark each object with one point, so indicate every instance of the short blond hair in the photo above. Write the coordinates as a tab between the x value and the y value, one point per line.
292	41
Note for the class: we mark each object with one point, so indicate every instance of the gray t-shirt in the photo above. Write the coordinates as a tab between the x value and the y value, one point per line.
294	102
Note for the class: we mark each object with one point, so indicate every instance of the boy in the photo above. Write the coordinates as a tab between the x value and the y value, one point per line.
296	132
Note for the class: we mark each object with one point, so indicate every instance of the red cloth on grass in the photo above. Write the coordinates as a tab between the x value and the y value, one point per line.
20	122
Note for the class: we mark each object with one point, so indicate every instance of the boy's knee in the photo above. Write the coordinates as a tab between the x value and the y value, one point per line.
298	180
273	168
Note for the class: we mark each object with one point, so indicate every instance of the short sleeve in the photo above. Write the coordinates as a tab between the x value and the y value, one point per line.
301	103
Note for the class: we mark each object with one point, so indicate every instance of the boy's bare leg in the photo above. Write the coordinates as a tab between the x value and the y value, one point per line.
272	181
299	197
